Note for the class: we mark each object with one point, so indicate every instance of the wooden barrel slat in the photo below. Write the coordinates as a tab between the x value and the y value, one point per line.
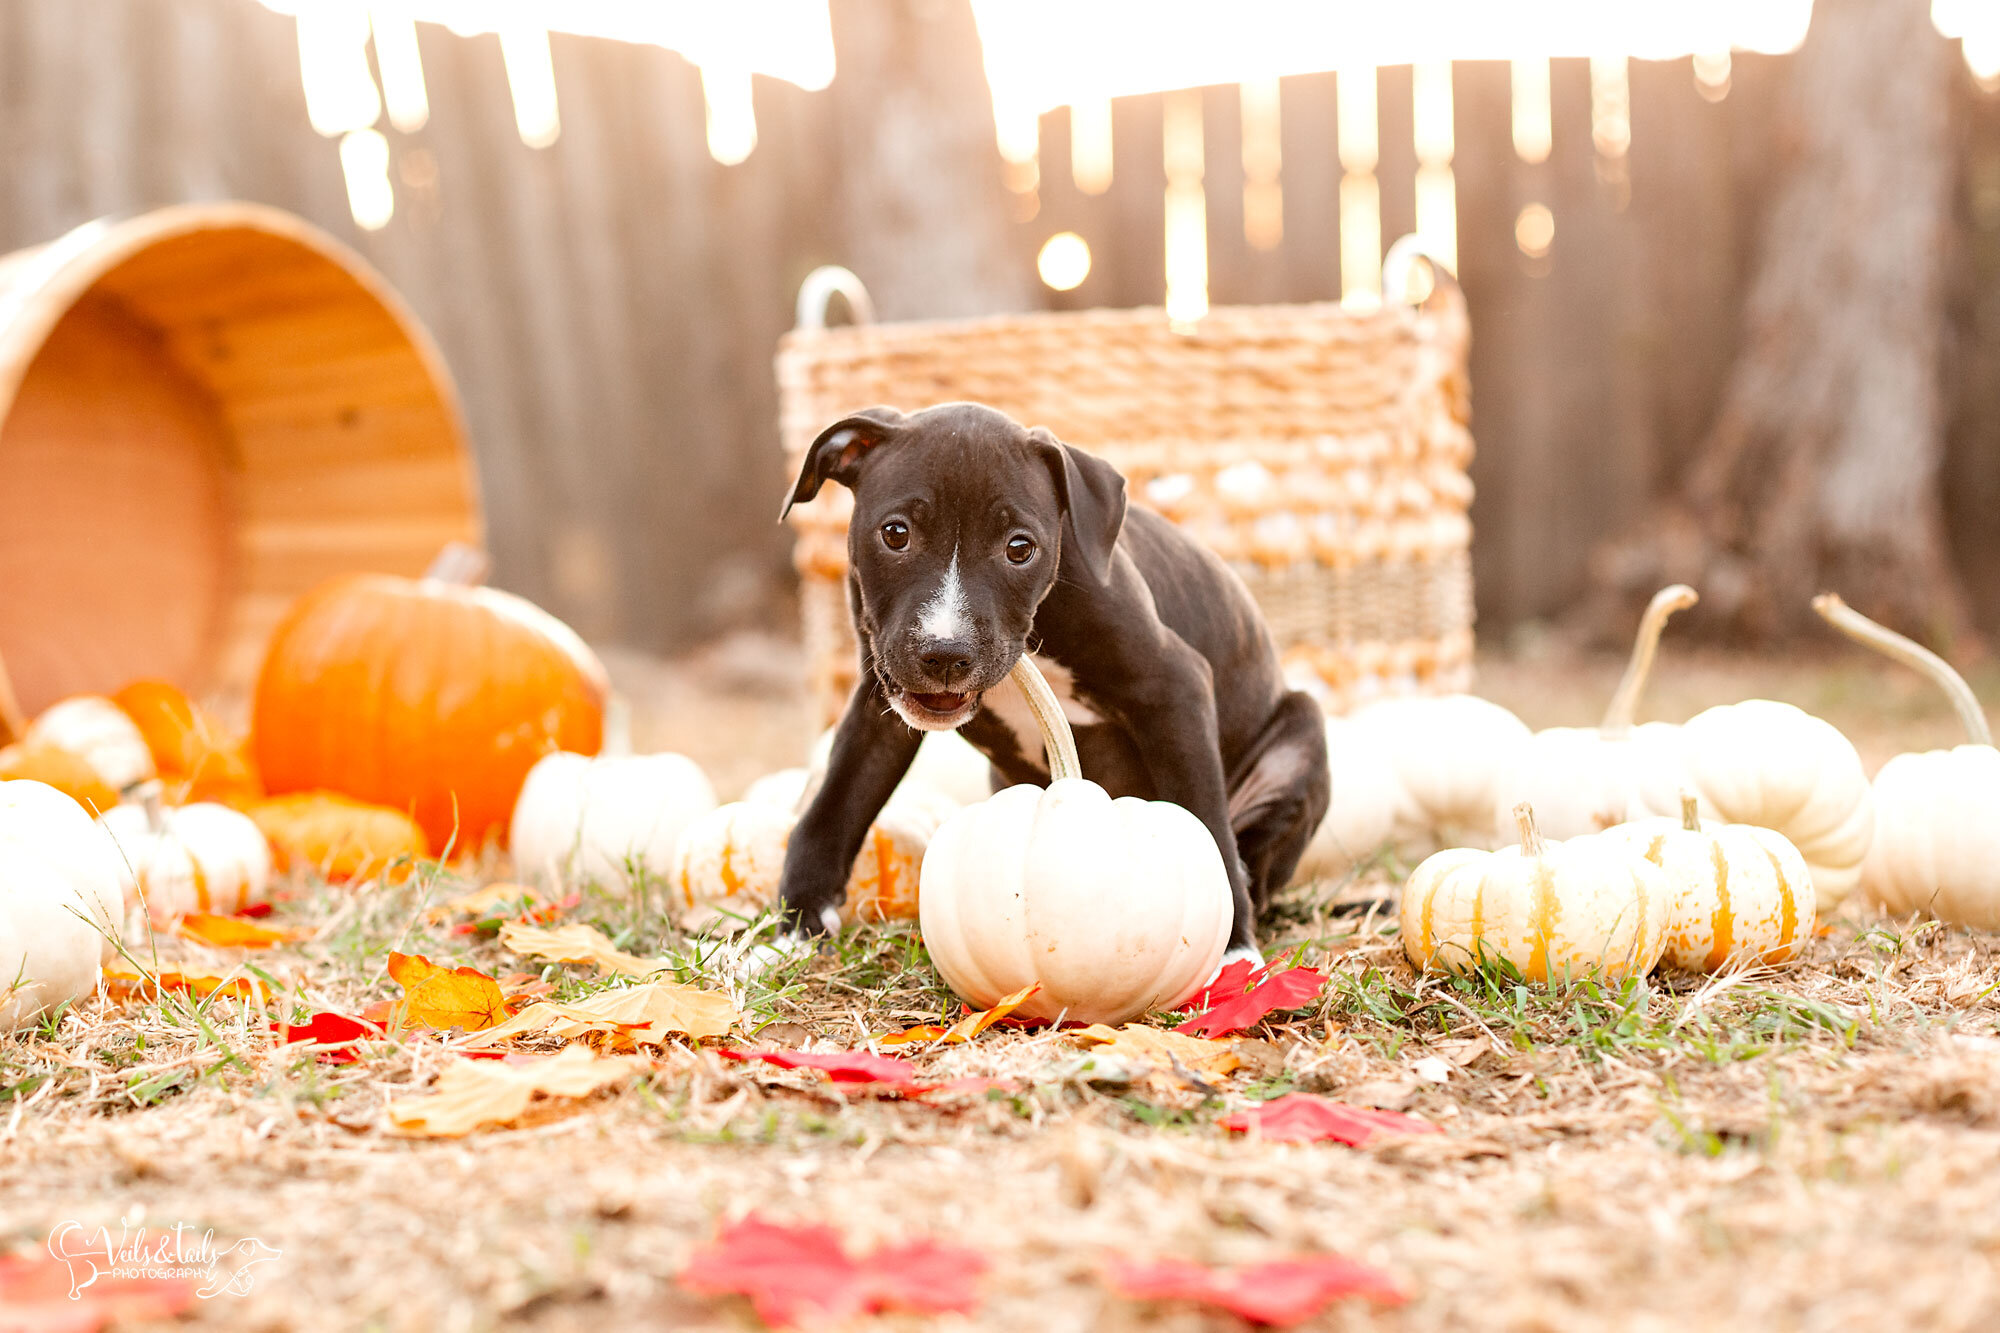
204	411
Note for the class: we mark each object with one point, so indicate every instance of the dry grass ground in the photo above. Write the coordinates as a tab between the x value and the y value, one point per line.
1816	1147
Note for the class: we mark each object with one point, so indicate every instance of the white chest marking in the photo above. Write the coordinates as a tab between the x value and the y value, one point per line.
1005	703
944	615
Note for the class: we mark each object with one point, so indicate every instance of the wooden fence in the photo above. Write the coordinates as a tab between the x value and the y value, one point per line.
610	304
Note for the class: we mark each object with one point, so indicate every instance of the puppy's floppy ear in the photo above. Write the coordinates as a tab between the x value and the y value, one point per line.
836	455
1093	500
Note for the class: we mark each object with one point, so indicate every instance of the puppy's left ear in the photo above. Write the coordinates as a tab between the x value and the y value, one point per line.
836	455
1093	500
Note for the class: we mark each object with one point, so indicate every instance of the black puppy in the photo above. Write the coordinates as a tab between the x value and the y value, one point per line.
973	540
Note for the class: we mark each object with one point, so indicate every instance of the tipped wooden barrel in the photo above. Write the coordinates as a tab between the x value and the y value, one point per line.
204	411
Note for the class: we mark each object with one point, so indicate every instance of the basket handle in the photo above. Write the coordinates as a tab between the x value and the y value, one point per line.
1399	268
821	285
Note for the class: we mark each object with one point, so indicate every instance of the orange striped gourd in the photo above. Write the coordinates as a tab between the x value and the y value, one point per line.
1589	906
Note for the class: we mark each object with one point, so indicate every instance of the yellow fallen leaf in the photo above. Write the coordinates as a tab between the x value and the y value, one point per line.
495	898
647	1014
233	932
576	944
442	997
474	1093
966	1028
1140	1044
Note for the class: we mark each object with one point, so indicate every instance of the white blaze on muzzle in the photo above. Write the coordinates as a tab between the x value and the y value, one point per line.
944	616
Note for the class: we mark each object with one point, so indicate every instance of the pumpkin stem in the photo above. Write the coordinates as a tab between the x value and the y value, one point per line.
156	812
1531	837
13	722
1891	644
461	564
1042	702
1690	813
1624	704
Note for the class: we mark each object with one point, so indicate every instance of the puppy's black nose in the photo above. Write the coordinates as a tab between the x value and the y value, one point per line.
945	658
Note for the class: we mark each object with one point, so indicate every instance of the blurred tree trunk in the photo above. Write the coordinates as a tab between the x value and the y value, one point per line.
923	210
1821	469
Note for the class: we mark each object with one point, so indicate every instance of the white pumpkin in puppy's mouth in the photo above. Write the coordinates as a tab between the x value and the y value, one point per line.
1116	907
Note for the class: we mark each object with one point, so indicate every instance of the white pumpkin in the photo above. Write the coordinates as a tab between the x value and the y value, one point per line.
97	731
1587	779
1777	766
1360	817
1435	762
1937	814
1116	907
191	858
733	857
59	901
1741	893
603	820
946	763
1592	906
782	790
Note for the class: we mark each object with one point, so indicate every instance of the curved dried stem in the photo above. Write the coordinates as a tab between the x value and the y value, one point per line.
1531	837
1624	704
1056	736
1886	641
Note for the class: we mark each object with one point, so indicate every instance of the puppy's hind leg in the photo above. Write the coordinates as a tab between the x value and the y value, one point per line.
1279	798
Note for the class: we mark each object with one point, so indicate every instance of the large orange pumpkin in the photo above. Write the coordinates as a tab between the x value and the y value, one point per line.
428	695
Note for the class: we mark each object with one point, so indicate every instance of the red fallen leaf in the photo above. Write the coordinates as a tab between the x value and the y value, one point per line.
337	1032
840	1066
1282	1293
1268	992
1229	983
257	910
35	1296
793	1272
1300	1117
963	1087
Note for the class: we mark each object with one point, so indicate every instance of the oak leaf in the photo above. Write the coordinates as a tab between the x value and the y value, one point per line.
648	1014
472	1094
442	997
1138	1044
577	943
498	899
1279	1294
966	1028
39	1295
791	1273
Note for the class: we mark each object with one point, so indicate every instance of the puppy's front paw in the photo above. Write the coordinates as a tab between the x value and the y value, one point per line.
786	947
1242	953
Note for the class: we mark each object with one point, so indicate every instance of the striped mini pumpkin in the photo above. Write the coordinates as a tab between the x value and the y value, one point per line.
1592	906
1741	893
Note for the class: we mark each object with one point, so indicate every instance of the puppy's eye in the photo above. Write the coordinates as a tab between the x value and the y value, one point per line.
895	535
1020	550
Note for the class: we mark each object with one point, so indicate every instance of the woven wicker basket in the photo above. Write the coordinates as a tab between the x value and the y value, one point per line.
1321	452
